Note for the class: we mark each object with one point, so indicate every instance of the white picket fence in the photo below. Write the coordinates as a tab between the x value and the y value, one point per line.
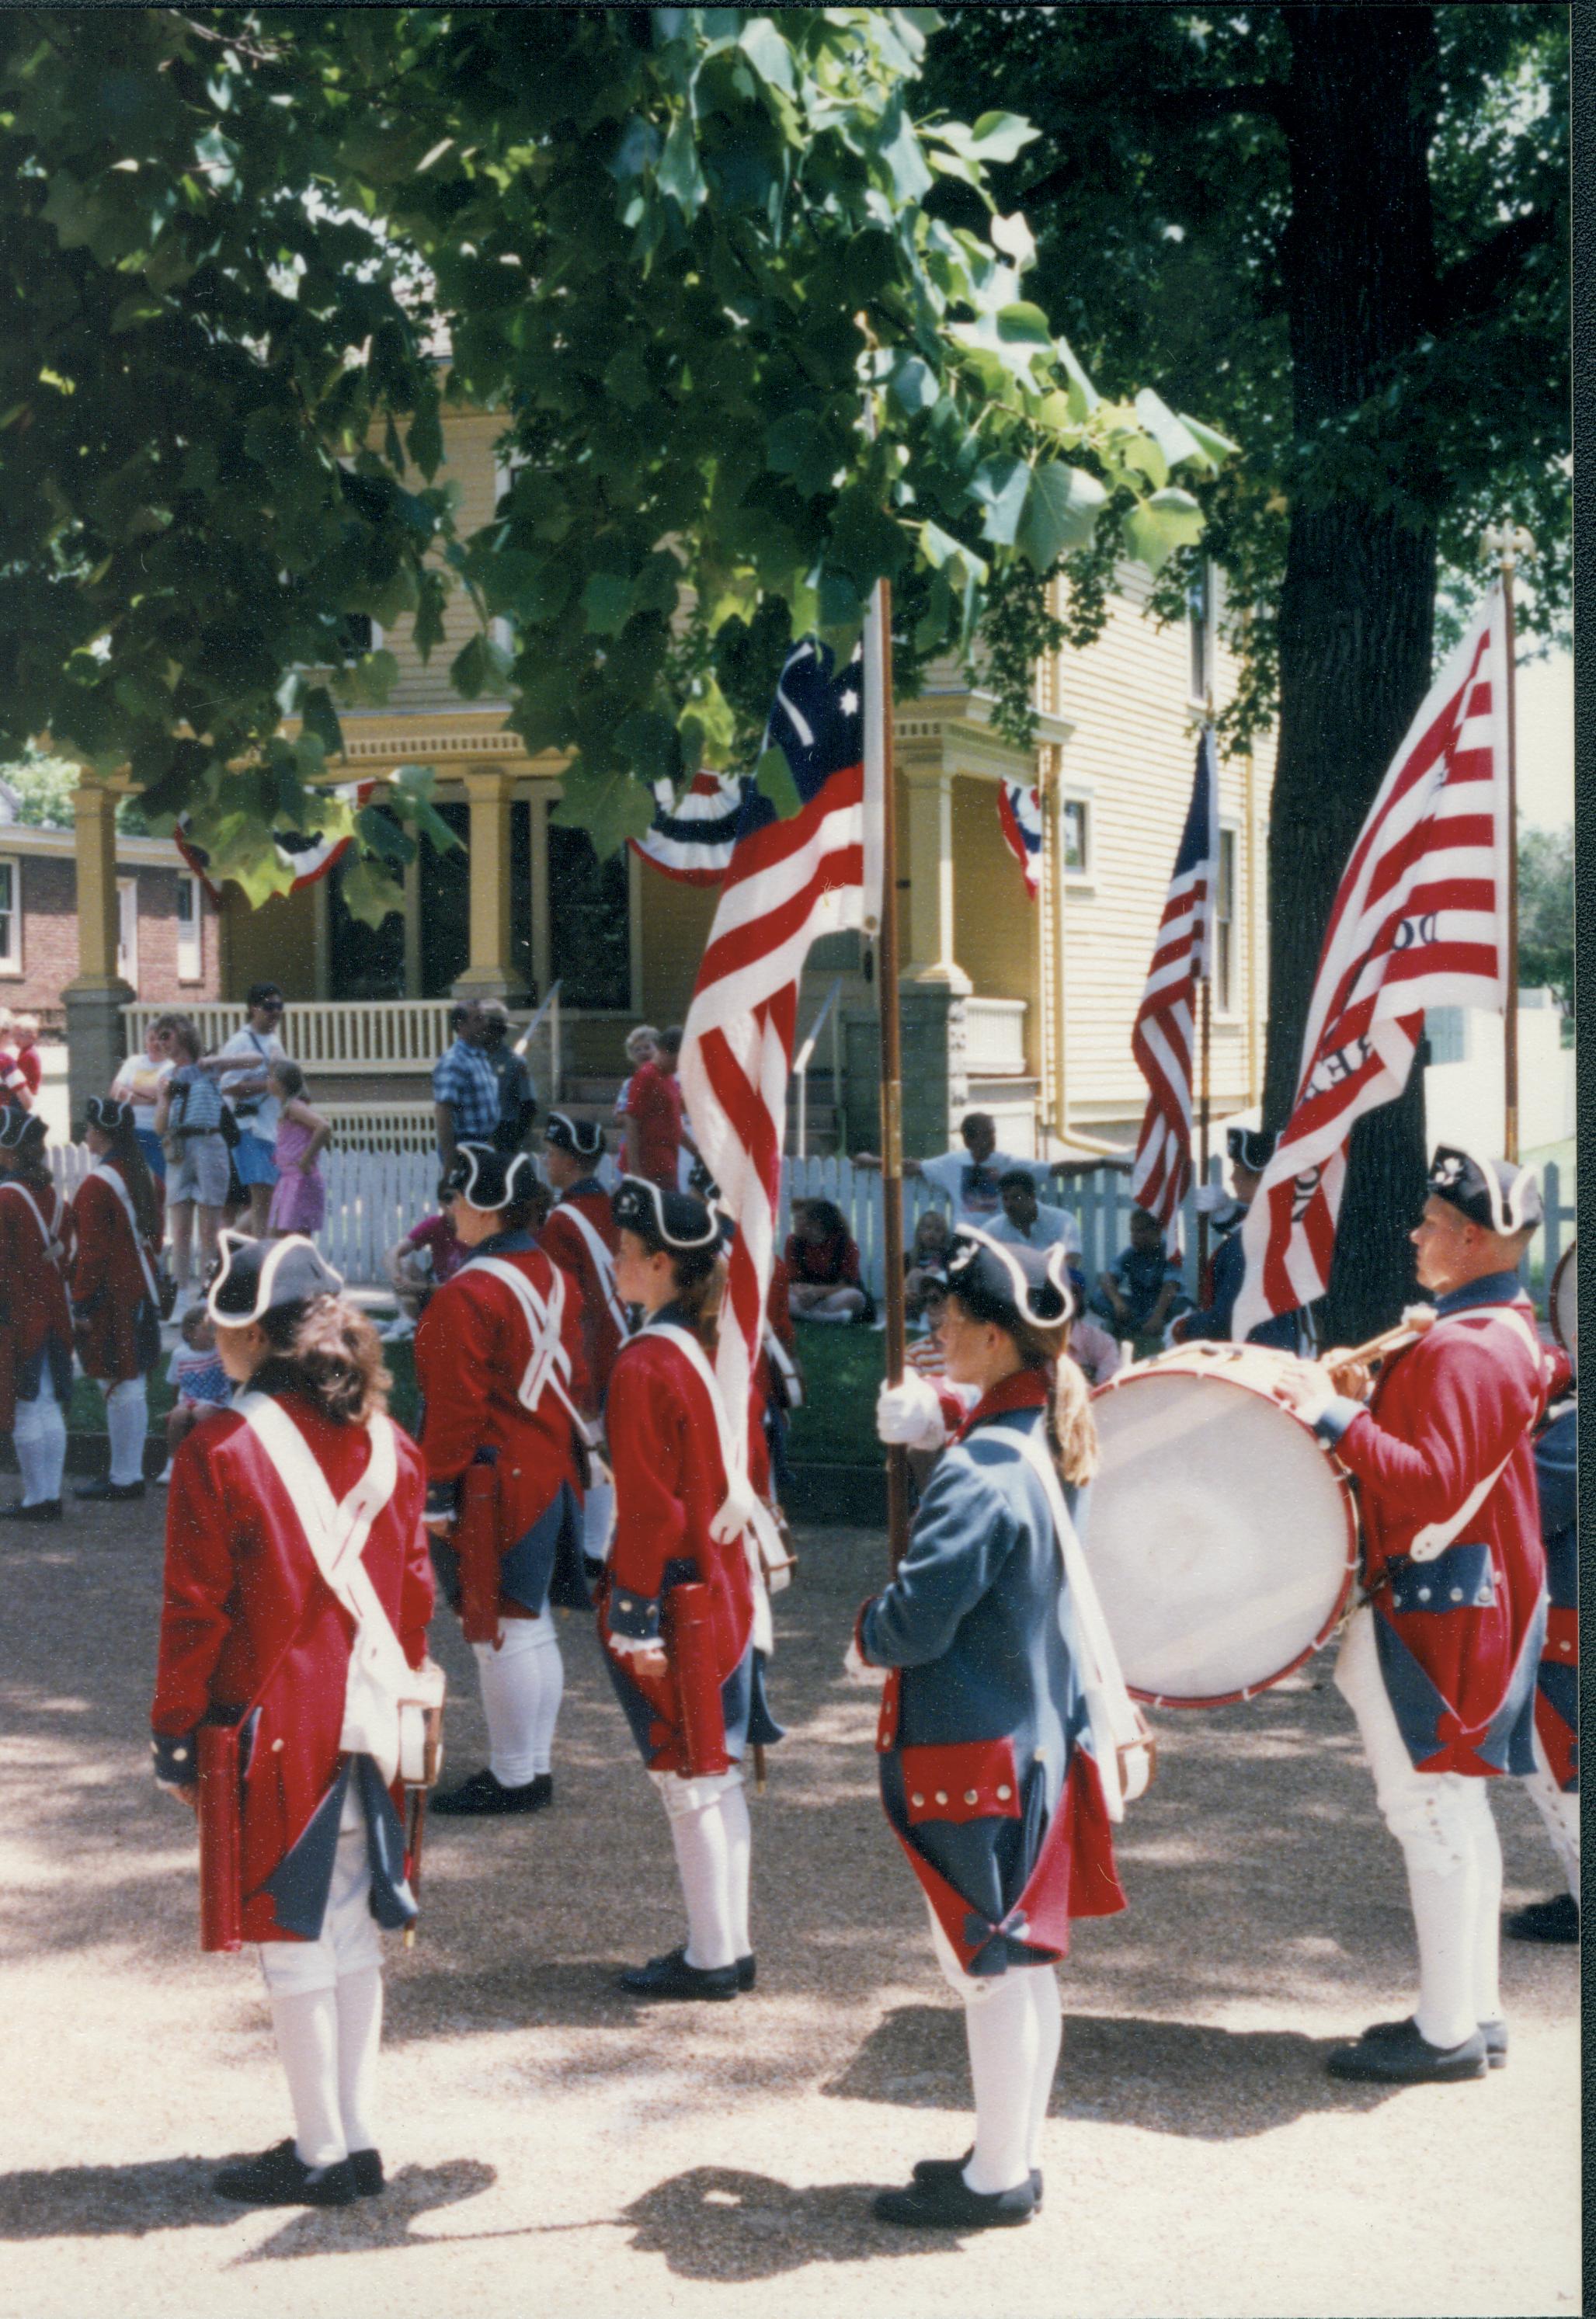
374	1198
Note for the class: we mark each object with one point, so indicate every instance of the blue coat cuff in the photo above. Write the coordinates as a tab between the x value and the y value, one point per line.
174	1762
1332	1422
634	1618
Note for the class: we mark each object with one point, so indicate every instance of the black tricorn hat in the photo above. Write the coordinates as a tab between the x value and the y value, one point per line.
662	1219
21	1130
489	1179
1010	1284
253	1277
1251	1147
1495	1193
584	1138
105	1113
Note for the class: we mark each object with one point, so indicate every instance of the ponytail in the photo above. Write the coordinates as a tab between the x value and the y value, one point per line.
1071	1428
699	1275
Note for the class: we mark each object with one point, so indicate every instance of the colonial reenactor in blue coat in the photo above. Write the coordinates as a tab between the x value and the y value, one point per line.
988	1774
1250	1150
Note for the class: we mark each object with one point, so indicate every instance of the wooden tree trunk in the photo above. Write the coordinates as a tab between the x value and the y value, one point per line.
1357	595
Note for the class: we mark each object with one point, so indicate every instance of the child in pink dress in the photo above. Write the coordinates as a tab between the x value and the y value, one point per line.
298	1200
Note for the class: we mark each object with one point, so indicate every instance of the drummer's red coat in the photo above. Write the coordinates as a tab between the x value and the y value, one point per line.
563	1240
1445	1415
33	1315
108	1283
245	1606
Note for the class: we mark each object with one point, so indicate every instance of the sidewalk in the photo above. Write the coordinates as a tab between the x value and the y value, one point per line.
557	2150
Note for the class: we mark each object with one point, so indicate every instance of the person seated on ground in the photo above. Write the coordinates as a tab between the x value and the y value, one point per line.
968	1178
1025	1222
428	1254
926	1260
1142	1290
198	1379
822	1263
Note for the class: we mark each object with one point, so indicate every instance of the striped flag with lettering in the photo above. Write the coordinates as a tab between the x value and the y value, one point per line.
1163	1038
790	880
1420	920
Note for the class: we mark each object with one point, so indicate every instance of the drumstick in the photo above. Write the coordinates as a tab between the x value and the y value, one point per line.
1370	1355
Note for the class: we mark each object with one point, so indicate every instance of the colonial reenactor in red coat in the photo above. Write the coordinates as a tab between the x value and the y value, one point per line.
116	1318
36	1325
503	1381
298	1591
580	1235
1440	1663
684	1615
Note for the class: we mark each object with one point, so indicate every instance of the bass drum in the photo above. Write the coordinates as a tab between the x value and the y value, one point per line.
1220	1533
1564	1303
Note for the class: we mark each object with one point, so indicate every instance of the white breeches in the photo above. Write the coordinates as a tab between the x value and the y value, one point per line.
1560	1815
1014	2025
1443	1822
40	1435
327	2010
713	1842
523	1682
127	1422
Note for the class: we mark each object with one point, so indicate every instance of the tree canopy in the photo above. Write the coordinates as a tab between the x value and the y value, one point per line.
247	252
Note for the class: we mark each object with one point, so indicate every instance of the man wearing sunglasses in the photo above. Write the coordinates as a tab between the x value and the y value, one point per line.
256	1047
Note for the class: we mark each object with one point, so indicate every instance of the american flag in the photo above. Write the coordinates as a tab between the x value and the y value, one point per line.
789	882
691	837
1164	1038
1019	815
1420	920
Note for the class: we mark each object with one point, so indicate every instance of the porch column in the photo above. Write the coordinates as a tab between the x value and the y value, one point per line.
93	999
491	974
932	984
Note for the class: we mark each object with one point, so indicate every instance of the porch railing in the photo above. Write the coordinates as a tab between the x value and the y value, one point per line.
995	1038
371	1038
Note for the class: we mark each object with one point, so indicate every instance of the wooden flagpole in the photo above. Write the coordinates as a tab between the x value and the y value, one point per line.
1506	543
1204	1010
897	1458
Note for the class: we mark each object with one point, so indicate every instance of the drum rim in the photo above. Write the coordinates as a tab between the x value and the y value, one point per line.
1138	1373
1559	1270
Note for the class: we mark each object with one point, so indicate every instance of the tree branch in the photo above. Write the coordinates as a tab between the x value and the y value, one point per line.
1174	105
1473	285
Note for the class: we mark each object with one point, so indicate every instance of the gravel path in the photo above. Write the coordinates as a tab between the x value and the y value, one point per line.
557	2150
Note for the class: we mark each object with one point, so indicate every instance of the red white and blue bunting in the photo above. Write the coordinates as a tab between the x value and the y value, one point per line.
1019	812
691	837
310	858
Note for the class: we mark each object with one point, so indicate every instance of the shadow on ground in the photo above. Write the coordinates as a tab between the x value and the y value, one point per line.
717	2223
174	2194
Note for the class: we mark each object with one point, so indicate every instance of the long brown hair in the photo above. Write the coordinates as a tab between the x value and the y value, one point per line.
328	1351
1072	1430
699	1275
134	1171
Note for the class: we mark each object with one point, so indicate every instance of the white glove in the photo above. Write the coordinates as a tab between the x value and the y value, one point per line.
1209	1198
910	1414
1313	1390
859	1670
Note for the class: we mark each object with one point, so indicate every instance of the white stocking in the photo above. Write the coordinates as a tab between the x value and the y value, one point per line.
1487	1915
698	1837
739	1837
552	1690
39	1434
1005	2039
360	2032
127	1420
518	1679
1048	2009
1444	1919
307	2027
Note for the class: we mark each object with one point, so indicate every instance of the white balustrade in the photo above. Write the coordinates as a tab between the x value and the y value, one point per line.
995	1038
358	1037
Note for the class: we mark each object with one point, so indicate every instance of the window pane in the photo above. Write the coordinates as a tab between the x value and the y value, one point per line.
8	946
186	898
589	921
1074	834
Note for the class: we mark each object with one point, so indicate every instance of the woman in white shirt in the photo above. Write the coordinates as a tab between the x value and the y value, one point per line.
139	1082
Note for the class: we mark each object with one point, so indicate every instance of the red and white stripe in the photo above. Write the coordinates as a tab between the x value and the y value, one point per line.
1164	1036
1420	920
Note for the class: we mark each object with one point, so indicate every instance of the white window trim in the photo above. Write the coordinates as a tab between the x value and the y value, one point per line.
11	961
1236	1012
1081	793
191	947
127	953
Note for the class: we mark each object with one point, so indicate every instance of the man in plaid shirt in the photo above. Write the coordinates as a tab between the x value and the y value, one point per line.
465	1086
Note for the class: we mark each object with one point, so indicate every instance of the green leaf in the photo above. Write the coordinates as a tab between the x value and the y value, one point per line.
651	747
1061	509
611	807
679	174
1024	325
369	893
1173	437
321	719
865	541
768	54
773	776
1212	445
899	147
1000	486
469	671
424	440
1002	136
911	384
801	445
1154	530
607	603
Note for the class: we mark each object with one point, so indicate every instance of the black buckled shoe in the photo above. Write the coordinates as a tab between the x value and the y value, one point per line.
109	1493
280	2177
484	1795
672	1976
942	2202
47	1510
1393	2053
933	2170
1556	1921
1494	2033
365	2172
745	1971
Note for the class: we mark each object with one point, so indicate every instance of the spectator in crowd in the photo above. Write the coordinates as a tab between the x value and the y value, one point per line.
640	1046
14	1087
24	1041
427	1257
465	1085
188	1121
518	1099
198	1378
241	1065
299	1198
968	1179
653	1138
1025	1220
1094	1349
139	1081
1142	1290
926	1260
822	1264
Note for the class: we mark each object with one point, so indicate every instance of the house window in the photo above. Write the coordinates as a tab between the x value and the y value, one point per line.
191	949
1224	926
11	916
589	921
1199	619
1076	830
1444	1028
358	634
127	930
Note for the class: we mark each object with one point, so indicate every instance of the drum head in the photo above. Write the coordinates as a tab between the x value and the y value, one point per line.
1219	1536
1565	1303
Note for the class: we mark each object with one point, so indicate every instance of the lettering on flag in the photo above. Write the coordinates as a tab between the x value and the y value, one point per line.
1163	1038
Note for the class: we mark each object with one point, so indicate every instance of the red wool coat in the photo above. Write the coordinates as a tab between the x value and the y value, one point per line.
1458	1634
245	1606
563	1240
108	1283
472	1346
33	1315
